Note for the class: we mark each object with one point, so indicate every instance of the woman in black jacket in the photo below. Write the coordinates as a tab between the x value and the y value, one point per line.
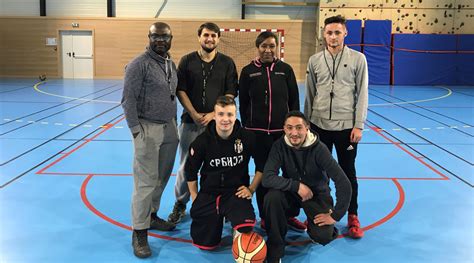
268	91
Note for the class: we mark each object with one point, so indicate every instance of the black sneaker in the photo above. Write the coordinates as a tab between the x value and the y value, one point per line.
160	224
273	260
178	213
140	245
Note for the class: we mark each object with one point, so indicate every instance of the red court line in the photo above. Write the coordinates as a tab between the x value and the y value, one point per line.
110	220
403	178
106	127
395	210
87	174
398	207
83	174
419	159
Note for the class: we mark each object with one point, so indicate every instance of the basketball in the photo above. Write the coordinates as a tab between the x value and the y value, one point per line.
249	248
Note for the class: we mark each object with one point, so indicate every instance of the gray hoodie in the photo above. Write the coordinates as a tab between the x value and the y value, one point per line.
149	90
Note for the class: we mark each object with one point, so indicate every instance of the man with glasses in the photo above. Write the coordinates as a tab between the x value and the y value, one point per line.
203	76
306	166
149	104
336	103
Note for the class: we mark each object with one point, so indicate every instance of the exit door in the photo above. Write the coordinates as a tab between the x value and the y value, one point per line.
77	54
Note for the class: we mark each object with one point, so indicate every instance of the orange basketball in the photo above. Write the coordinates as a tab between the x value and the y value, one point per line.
249	248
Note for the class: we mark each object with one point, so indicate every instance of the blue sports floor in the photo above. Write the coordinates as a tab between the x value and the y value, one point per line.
65	182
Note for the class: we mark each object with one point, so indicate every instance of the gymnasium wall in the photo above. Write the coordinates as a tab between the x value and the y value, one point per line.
187	9
407	16
23	52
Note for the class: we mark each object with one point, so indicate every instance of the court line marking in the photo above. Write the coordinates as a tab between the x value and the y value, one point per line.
67	97
397	208
415	101
121	127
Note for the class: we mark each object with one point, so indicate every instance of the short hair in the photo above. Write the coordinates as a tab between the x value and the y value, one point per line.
210	26
160	25
298	114
225	101
264	35
335	19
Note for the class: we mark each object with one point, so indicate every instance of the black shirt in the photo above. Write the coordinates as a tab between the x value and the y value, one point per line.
219	75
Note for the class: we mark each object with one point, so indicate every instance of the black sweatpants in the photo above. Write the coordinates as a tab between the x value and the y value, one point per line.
264	143
346	154
281	205
208	212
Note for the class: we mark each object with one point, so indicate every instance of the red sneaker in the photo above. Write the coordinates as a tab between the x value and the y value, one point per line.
296	224
354	226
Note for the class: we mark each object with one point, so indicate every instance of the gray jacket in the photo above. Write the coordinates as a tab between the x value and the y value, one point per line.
350	94
149	90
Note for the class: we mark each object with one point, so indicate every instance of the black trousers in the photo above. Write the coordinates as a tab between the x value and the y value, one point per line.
264	143
281	205
208	212
346	156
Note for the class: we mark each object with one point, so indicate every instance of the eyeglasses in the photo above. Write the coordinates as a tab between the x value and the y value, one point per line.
156	37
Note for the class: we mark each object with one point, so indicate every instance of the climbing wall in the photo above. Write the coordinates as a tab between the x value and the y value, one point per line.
407	16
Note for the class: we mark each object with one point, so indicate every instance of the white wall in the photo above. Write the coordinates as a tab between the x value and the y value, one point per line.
195	9
280	12
19	8
205	9
78	8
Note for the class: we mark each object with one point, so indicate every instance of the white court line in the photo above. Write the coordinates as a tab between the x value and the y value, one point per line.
67	97
416	101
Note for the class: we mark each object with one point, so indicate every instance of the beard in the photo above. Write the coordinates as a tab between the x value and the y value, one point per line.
207	49
160	49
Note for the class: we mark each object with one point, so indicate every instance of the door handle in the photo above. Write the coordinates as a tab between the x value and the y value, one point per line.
68	53
73	55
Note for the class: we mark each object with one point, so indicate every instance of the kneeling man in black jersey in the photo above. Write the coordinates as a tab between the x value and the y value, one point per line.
221	155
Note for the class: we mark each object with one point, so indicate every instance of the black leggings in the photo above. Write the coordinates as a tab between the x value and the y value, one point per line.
264	143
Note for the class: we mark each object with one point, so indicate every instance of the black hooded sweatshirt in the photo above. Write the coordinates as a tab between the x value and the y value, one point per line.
312	164
223	164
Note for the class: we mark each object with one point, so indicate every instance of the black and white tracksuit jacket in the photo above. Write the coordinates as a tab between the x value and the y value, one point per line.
222	164
268	91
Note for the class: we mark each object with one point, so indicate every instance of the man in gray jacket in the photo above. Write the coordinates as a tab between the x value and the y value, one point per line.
336	103
306	165
149	103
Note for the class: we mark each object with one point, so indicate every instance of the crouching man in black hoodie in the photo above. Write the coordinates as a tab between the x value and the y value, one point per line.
221	154
307	165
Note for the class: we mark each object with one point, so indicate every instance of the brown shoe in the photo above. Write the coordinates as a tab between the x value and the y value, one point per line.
160	224
140	245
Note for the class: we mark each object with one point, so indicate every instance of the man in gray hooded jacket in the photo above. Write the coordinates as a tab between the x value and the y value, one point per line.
306	165
149	105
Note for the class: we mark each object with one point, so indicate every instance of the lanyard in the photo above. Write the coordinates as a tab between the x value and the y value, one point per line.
168	73
334	70
205	77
